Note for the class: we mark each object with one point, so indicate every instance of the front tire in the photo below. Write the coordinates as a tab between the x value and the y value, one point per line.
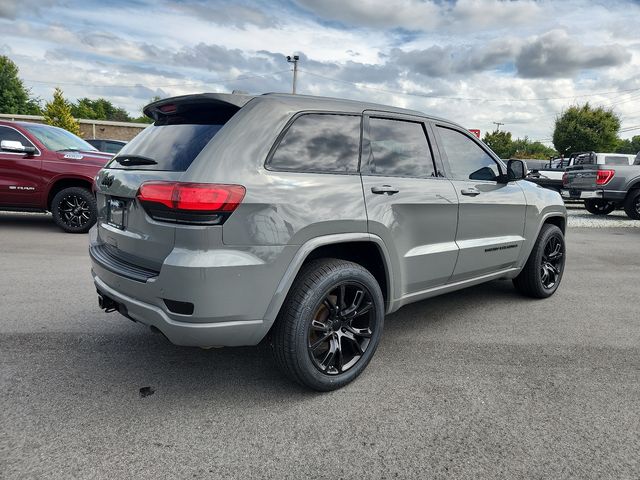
330	325
74	209
632	204
597	206
543	271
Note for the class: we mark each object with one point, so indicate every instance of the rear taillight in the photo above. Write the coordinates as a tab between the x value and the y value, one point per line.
565	178
604	176
194	203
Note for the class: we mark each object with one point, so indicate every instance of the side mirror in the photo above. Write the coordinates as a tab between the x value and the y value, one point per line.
14	146
516	170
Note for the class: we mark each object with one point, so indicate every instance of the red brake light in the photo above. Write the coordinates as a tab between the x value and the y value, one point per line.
565	178
201	203
169	108
604	176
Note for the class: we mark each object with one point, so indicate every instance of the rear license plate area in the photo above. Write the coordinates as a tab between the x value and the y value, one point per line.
116	213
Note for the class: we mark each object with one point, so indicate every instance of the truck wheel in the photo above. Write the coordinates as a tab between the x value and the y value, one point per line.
599	207
632	204
74	209
330	325
542	273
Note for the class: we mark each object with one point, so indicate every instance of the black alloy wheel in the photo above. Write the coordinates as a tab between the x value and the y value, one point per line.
74	209
341	328
542	273
552	262
632	204
330	325
598	206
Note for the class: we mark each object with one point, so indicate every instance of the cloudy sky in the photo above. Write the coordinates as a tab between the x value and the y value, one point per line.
473	61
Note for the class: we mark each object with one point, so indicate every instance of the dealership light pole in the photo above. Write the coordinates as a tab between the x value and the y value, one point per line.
294	60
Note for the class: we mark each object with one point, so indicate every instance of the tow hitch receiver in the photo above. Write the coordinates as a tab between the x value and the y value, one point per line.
106	303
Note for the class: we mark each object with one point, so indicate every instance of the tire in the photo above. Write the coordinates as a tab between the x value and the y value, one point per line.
538	279
74	209
599	207
632	204
311	325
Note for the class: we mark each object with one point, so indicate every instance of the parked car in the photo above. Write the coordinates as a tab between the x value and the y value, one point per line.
605	182
45	168
307	219
108	146
550	174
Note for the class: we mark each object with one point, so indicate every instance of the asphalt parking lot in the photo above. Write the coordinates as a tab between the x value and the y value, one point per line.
476	384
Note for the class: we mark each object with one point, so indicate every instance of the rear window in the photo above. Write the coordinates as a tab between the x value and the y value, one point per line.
319	143
615	160
173	141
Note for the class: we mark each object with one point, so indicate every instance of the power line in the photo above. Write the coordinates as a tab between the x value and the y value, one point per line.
426	95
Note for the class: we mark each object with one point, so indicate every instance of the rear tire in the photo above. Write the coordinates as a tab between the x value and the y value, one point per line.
632	204
543	271
326	332
597	206
74	209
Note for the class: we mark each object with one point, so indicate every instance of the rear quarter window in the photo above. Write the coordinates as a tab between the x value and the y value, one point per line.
325	143
615	160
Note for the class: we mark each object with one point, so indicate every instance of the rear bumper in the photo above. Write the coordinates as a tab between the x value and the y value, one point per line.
229	291
248	332
580	194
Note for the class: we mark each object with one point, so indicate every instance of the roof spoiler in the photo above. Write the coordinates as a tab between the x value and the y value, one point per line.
173	105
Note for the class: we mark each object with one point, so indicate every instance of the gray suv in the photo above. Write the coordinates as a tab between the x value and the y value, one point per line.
305	220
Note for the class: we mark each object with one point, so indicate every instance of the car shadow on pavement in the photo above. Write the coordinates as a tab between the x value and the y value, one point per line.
28	221
140	359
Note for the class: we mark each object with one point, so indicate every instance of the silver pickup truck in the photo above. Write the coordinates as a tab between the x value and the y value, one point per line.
605	182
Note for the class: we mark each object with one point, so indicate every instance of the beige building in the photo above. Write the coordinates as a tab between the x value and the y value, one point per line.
103	129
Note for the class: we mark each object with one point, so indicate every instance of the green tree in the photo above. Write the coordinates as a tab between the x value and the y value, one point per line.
584	128
58	113
629	146
143	118
500	142
99	109
524	148
14	97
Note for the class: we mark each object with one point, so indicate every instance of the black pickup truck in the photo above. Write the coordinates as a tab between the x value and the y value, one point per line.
605	186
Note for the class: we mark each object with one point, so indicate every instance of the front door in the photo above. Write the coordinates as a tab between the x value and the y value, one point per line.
19	173
492	212
411	207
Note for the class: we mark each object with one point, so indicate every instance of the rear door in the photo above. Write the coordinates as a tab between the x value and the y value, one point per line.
491	214
409	205
20	174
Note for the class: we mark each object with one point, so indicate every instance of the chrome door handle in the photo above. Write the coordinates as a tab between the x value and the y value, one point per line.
470	192
384	190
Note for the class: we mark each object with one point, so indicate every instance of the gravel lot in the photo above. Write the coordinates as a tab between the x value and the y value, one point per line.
579	217
477	384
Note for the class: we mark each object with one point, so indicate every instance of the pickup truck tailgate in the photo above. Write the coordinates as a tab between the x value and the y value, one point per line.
580	179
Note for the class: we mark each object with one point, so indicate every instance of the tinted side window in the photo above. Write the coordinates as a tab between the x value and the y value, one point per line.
320	143
467	160
611	160
112	147
399	148
10	134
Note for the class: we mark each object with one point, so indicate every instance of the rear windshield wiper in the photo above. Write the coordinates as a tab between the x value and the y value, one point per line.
127	160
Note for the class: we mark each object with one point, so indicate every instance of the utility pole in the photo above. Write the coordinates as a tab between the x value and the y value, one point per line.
294	60
498	125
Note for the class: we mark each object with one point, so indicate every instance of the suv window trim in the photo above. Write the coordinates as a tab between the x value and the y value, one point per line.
29	142
366	137
267	163
445	159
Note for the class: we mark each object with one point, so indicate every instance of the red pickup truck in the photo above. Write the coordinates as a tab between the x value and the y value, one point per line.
47	169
